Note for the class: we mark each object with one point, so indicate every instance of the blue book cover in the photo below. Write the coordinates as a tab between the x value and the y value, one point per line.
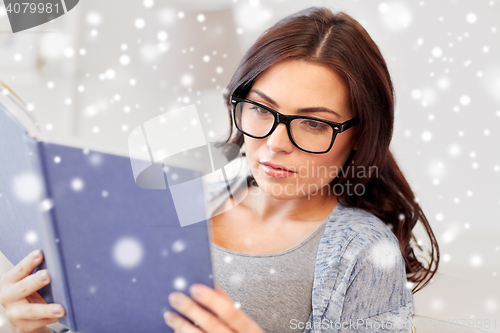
114	250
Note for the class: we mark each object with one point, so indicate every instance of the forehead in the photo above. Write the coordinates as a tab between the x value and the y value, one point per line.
298	84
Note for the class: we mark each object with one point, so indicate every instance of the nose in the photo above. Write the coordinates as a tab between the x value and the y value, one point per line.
279	140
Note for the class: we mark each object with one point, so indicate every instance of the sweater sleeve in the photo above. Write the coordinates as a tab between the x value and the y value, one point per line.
396	320
377	298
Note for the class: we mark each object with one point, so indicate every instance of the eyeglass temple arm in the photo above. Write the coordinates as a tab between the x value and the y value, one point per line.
348	124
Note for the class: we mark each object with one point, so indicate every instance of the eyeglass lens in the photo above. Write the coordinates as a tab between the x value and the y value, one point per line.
308	134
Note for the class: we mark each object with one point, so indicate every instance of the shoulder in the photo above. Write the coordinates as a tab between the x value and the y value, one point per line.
360	267
361	221
354	237
366	240
370	263
358	230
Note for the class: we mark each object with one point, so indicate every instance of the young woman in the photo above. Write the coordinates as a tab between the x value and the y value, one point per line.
320	238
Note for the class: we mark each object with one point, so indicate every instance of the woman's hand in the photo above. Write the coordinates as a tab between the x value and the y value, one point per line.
25	309
223	318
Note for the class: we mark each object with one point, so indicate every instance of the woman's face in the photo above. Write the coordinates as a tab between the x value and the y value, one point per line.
287	87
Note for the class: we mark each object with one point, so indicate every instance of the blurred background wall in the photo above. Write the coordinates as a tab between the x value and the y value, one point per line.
106	67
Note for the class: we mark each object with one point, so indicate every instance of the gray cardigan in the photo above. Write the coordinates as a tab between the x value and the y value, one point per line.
360	281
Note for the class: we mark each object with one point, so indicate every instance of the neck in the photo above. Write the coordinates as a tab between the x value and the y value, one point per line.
267	209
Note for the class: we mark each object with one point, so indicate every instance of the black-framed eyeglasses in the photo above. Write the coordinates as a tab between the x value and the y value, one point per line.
309	134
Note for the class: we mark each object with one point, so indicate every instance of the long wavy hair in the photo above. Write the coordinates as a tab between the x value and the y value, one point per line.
318	35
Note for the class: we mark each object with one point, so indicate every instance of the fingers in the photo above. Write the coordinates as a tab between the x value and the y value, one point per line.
34	311
32	325
203	318
224	308
222	292
26	286
24	268
180	324
24	307
36	298
29	317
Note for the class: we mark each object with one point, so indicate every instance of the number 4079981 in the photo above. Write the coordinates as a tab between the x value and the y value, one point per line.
31	7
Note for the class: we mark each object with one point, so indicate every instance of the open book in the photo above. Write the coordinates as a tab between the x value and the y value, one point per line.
114	250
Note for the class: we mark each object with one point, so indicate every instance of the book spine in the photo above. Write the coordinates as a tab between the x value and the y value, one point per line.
53	253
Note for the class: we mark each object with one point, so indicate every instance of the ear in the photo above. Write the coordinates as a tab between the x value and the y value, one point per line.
355	147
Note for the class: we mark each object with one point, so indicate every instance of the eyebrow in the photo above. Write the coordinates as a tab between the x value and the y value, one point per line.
310	109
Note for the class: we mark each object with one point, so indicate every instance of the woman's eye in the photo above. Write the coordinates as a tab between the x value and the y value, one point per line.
315	125
259	110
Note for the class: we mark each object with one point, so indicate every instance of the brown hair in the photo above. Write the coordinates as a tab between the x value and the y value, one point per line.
318	35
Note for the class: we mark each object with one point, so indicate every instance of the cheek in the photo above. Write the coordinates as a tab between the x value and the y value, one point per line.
252	145
320	168
327	166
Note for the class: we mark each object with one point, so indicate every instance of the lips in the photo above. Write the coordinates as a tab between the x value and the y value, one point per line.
276	166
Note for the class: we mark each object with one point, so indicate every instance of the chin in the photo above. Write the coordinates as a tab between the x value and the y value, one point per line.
278	188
